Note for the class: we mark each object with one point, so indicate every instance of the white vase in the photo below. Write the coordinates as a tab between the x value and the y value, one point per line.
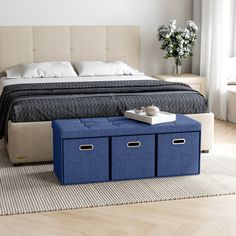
177	66
178	70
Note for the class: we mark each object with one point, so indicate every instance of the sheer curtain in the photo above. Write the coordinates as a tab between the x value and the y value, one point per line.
216	47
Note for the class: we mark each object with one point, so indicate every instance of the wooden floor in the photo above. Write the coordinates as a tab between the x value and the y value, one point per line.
202	216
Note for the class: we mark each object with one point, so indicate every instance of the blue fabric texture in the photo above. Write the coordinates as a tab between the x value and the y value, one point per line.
117	126
180	159
115	154
86	166
133	162
58	157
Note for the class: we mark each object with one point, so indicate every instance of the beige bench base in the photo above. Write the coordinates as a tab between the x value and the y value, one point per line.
32	141
29	142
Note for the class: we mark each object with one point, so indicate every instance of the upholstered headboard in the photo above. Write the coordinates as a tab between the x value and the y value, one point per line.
72	43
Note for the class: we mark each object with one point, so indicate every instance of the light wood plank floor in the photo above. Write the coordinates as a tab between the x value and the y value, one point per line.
203	216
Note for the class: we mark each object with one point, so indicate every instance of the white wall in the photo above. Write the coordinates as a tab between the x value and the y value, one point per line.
149	14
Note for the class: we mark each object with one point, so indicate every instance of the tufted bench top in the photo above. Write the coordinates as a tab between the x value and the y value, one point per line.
116	126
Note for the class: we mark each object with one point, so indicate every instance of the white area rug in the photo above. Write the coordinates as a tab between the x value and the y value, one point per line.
34	188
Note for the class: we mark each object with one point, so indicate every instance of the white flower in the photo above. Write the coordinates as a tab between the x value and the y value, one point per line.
173	22
178	42
192	25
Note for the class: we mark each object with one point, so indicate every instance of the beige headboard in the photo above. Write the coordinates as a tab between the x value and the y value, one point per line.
72	43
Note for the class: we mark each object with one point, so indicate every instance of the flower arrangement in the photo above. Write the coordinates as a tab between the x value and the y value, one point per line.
177	42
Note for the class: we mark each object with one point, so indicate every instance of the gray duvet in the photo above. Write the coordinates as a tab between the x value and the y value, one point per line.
46	102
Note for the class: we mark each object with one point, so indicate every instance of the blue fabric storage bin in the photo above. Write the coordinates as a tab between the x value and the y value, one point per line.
85	160
133	157
178	154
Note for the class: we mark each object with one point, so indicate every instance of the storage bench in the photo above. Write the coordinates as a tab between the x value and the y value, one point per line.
103	149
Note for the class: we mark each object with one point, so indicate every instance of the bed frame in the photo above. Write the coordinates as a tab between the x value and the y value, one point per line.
32	141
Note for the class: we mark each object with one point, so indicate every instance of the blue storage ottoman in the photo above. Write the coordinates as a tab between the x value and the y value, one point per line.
115	148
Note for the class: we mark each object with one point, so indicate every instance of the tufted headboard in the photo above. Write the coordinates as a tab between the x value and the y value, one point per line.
25	44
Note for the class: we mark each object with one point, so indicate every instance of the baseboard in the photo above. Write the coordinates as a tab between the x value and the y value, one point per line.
231	118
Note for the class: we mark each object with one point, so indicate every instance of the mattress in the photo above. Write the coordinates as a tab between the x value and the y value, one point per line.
95	97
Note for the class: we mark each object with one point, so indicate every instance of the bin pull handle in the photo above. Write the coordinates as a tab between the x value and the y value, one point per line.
86	147
179	141
133	144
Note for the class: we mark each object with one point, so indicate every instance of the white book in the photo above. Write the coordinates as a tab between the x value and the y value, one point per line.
161	117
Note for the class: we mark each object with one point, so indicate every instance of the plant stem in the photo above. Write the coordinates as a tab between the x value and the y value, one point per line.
178	61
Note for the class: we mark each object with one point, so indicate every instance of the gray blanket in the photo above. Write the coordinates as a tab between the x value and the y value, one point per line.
46	102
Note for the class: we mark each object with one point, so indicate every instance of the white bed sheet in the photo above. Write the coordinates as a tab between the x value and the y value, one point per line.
4	81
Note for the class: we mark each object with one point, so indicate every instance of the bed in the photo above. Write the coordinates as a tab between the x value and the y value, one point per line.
27	107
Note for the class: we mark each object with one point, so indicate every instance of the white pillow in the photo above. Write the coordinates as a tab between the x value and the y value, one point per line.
13	73
42	70
99	68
